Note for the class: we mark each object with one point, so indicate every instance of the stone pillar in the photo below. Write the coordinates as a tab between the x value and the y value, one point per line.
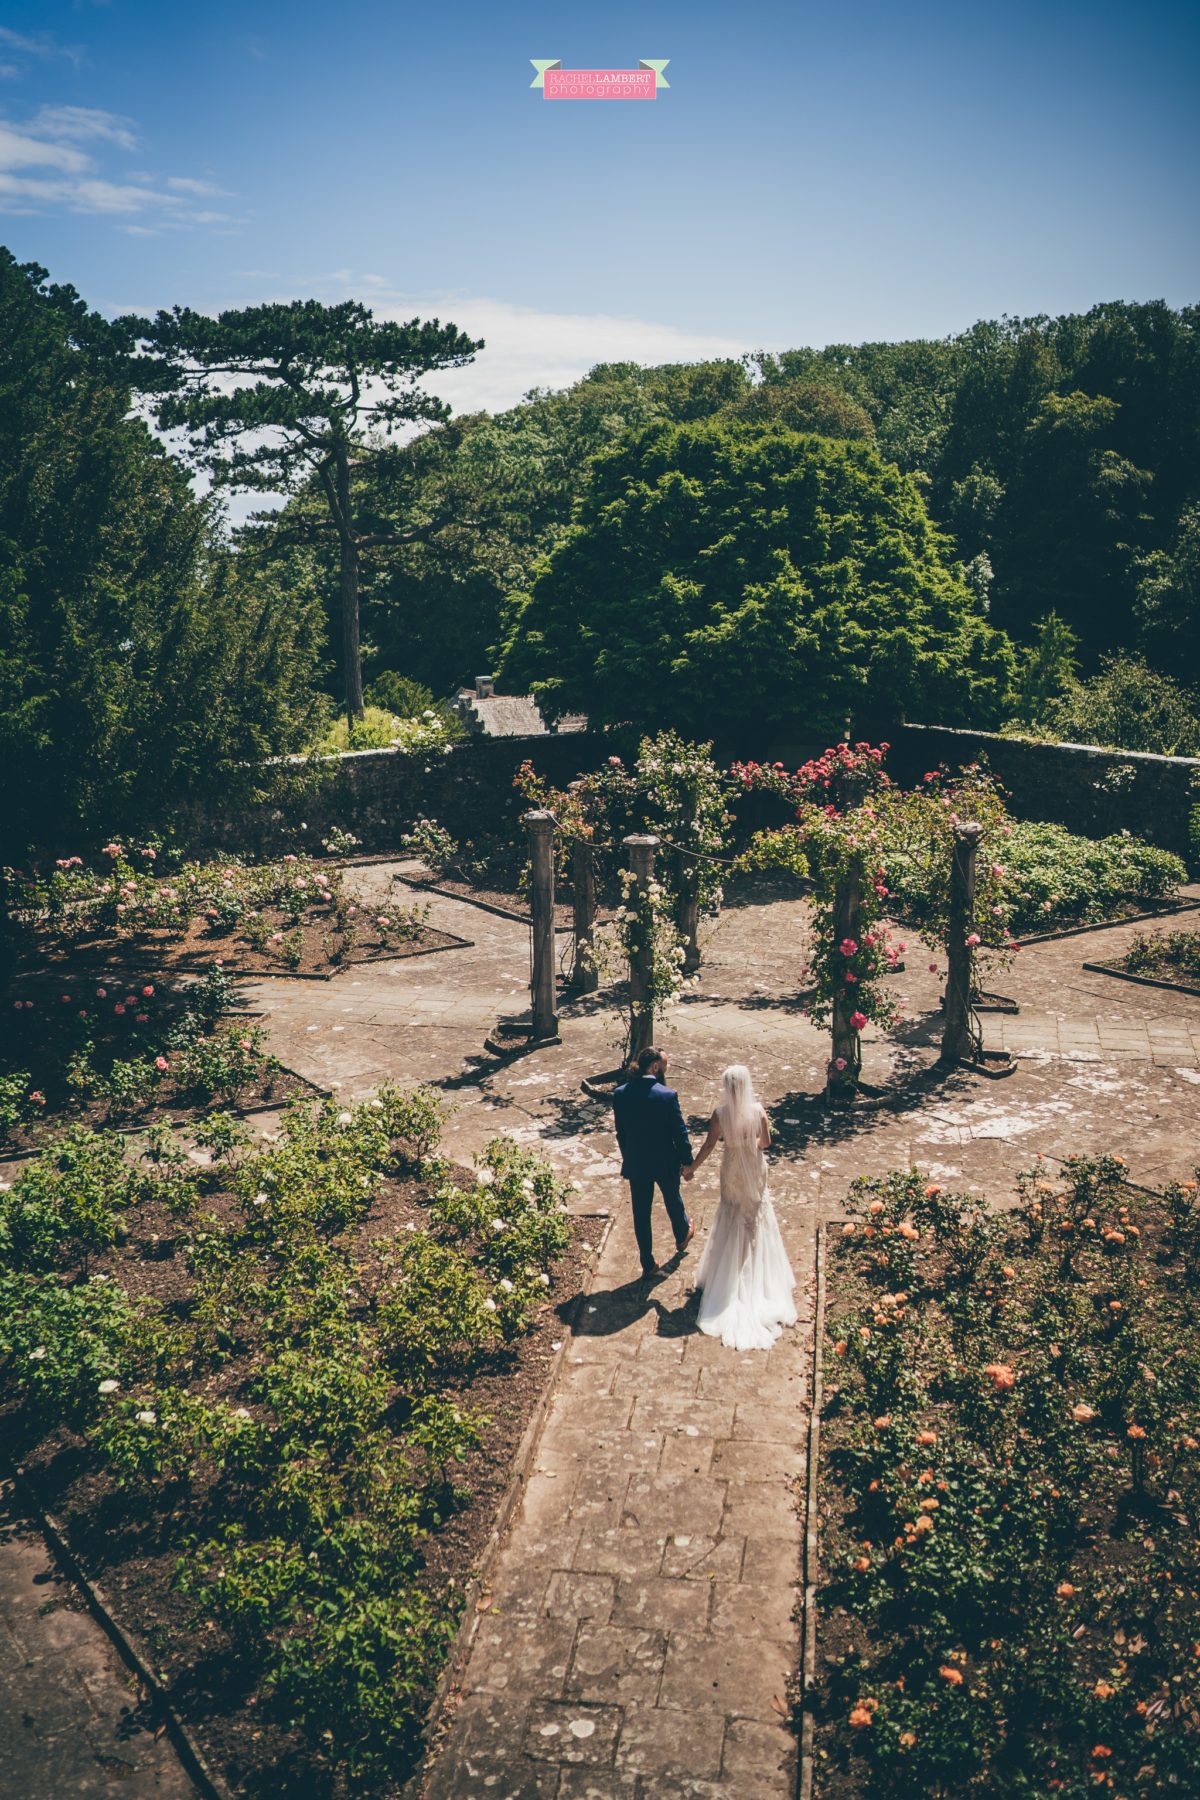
960	1042
641	1012
585	977
847	1045
540	826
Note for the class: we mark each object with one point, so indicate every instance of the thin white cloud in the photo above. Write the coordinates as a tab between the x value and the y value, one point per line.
183	184
21	149
82	124
42	45
43	166
527	348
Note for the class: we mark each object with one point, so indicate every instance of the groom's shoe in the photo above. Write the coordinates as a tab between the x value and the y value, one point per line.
683	1243
651	1272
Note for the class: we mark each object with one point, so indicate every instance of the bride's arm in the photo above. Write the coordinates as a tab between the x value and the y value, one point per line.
764	1130
709	1144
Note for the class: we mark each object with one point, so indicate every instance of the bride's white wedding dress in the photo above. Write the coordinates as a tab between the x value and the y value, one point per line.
745	1278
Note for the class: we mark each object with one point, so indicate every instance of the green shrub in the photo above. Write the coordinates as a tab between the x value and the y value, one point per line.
1129	706
59	1344
437	1312
65	1206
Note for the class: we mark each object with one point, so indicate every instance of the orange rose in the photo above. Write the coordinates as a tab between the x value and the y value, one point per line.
949	1673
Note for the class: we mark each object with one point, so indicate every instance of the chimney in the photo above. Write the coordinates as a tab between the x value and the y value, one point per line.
485	687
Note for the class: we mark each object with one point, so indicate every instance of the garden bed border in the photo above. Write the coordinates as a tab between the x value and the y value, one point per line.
1171	987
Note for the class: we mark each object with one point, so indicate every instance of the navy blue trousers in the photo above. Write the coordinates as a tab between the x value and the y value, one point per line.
641	1192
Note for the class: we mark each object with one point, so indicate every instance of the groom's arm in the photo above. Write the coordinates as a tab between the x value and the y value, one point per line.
682	1139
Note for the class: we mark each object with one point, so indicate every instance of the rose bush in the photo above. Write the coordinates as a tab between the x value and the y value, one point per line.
1012	1489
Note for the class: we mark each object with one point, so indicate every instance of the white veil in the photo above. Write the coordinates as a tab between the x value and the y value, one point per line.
743	1171
740	1109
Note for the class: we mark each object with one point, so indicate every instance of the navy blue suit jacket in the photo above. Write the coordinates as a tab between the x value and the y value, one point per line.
650	1130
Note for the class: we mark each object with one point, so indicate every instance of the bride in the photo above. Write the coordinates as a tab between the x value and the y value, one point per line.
744	1275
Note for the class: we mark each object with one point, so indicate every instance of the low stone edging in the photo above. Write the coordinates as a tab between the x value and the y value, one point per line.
1171	987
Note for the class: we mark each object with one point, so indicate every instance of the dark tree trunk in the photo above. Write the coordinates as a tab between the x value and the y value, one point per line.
348	548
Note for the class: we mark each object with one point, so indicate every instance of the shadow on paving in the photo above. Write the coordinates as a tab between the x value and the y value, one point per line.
801	1119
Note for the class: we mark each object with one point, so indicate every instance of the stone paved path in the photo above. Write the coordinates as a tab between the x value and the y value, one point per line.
638	1631
639	1635
70	1721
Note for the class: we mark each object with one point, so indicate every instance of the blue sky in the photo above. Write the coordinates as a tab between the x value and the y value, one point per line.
813	174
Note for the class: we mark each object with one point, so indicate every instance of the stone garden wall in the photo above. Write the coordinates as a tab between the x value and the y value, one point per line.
1094	792
376	794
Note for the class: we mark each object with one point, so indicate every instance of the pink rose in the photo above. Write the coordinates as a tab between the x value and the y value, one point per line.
160	1062
839	1063
848	947
148	990
118	1009
972	940
142	1018
857	1021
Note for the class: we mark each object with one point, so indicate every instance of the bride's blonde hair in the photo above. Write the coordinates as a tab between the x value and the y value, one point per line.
740	1109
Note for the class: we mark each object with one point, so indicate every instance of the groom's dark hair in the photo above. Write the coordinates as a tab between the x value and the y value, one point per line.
647	1059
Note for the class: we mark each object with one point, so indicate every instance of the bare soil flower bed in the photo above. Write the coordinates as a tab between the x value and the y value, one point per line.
1171	959
129	1052
277	1420
1009	1497
313	943
291	916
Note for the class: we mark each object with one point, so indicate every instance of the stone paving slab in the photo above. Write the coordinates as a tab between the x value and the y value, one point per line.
70	1719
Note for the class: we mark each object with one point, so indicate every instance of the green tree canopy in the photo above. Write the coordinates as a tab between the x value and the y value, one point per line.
722	573
139	666
287	396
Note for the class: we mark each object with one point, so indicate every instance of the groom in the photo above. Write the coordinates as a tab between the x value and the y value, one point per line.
655	1149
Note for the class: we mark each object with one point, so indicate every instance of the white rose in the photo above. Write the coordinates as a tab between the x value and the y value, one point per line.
39	1354
489	1305
109	1387
147	1418
506	1284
